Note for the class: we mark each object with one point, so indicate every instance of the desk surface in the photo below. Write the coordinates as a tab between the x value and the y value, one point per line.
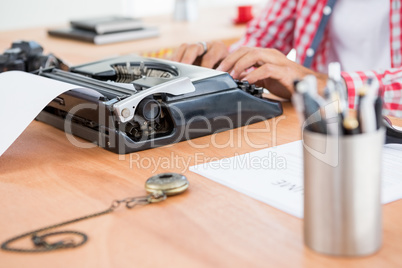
212	24
44	180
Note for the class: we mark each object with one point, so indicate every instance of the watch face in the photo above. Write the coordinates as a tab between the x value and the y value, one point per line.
169	183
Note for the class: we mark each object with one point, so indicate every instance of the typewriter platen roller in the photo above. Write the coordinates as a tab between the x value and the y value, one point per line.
139	103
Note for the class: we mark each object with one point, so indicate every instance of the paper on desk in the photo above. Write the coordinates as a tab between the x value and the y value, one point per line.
275	175
24	95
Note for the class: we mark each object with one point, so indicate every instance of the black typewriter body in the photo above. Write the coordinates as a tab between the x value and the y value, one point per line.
132	103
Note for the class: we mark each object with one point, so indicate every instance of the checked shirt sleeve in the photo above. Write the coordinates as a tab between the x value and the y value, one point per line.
390	82
273	28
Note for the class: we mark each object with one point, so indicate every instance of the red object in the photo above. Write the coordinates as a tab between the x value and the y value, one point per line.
244	14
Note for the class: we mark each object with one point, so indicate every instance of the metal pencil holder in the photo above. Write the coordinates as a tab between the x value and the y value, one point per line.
342	206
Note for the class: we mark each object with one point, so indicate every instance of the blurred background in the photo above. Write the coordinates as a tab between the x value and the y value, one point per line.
19	14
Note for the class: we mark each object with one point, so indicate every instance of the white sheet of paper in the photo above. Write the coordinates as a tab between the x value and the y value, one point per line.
275	175
24	95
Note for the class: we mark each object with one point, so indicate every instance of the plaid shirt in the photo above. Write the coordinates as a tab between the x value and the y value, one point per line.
287	24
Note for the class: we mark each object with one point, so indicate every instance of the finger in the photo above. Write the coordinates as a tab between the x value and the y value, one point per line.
216	53
256	57
191	53
178	55
244	74
263	72
228	63
271	76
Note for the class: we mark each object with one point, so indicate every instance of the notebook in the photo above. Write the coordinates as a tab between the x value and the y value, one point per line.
107	24
100	39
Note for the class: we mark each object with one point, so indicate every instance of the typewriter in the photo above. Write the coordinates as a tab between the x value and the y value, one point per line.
137	103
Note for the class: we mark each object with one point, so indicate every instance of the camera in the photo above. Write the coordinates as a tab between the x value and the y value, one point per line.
27	56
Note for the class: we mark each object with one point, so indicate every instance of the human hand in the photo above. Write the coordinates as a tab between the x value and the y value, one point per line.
188	53
273	70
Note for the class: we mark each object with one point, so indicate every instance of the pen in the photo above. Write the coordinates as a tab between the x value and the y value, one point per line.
378	112
330	115
333	112
350	125
377	103
334	73
312	111
366	113
298	103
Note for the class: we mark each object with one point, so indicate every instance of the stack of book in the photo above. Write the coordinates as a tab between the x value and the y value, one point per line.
104	30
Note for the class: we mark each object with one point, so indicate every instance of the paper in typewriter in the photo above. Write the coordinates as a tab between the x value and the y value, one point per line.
24	95
275	175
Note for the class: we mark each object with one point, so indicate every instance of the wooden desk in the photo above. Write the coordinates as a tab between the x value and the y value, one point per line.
44	180
213	24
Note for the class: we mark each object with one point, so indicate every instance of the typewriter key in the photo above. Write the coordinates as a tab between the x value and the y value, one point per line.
169	183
